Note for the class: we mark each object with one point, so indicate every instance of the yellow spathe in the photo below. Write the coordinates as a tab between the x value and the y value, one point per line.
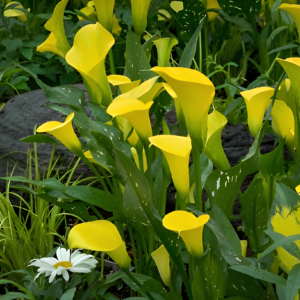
195	93
189	227
57	41
162	261
90	157
287	223
177	151
284	124
124	83
103	236
116	26
87	56
213	146
164	48
164	15
294	11
136	159
136	112
298	190
257	101
64	132
177	6
11	13
244	245
105	12
139	11
89	11
212	4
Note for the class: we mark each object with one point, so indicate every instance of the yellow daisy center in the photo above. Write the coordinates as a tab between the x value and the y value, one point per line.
65	264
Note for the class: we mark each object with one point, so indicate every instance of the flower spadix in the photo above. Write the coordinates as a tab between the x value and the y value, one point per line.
257	101
164	48
177	151
195	93
15	12
284	124
213	147
105	12
124	82
189	227
294	11
87	56
139	11
286	222
100	235
162	261
64	132
57	41
136	112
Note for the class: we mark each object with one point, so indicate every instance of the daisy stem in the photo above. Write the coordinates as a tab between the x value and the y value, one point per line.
130	275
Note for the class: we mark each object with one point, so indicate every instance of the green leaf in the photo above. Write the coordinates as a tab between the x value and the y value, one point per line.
38	138
68	295
96	197
147	46
24	188
99	112
21	288
190	49
274	33
241	24
137	65
233	105
12	44
238	298
234	7
26	52
286	47
14	295
259	274
274	9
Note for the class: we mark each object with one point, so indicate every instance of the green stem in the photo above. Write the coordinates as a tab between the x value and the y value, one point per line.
200	51
197	170
164	195
112	69
149	164
72	172
102	266
51	161
132	241
206	48
129	274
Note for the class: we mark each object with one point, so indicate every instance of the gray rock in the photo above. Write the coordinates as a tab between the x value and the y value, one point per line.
17	120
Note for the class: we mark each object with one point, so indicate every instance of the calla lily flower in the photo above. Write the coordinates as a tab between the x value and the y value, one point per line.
87	56
164	48
284	124
244	245
177	151
189	227
124	83
15	12
105	12
64	132
257	101
294	11
137	113
195	93
177	6
164	15
89	11
103	236
139	11
212	4
298	190
136	159
285	92
57	41
162	261
287	223
116	26
90	157
213	147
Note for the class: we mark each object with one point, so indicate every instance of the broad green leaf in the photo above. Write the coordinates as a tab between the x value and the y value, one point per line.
68	295
99	112
238	298
20	287
274	33
233	105
293	283
23	188
286	47
240	23
147	46
137	65
14	295
39	138
190	49
234	7
274	9
12	44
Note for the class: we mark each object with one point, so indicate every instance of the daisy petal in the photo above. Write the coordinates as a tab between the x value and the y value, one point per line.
77	257
58	254
76	253
85	266
53	274
79	270
65	275
81	259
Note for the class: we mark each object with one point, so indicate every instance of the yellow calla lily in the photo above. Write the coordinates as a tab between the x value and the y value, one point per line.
284	124
257	101
137	113
64	132
116	26
105	12
195	93
189	227
285	92
89	11
139	11
177	151
294	11
11	13
103	236
87	56
177	6
213	147
136	159
57	41
287	223
298	190
244	245
90	157
212	4
162	261
124	83
164	15
164	48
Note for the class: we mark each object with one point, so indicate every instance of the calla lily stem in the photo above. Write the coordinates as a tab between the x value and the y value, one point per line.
197	170
112	68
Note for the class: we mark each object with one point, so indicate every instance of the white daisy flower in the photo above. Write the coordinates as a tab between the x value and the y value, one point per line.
77	263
